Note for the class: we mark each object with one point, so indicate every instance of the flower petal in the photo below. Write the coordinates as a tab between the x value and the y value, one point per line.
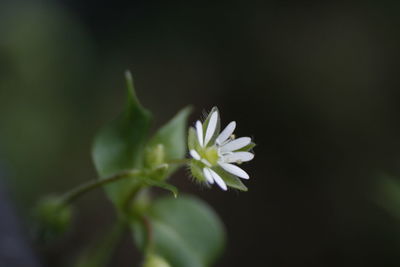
218	180
194	154
199	129
224	135
235	170
237	157
206	162
208	175
236	144
212	125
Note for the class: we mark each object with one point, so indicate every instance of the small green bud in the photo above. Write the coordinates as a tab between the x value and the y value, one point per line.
160	171
153	260
155	155
142	202
53	218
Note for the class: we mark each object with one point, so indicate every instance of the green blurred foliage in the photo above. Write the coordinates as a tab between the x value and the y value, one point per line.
45	55
185	231
100	252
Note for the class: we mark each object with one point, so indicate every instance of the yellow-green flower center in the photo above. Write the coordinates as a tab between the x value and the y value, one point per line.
210	154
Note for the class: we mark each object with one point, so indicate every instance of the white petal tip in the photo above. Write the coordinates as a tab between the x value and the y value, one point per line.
226	133
237	157
212	124
199	131
218	180
247	177
208	175
236	144
235	170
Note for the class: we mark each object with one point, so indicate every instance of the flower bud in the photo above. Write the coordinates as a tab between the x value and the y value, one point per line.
53	218
153	260
155	155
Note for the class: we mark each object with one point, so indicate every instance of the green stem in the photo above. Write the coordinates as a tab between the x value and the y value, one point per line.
178	161
148	246
84	188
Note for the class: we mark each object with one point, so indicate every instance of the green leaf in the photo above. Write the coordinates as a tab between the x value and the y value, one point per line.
185	231
162	185
119	145
172	136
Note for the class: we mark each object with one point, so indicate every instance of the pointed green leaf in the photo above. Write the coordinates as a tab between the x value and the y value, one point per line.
119	145
173	135
186	232
162	185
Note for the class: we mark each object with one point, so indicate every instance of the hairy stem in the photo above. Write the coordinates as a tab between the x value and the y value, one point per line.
84	188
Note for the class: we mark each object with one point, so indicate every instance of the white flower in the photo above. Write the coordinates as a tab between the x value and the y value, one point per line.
215	153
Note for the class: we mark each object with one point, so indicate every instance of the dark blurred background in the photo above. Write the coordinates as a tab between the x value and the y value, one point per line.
316	85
